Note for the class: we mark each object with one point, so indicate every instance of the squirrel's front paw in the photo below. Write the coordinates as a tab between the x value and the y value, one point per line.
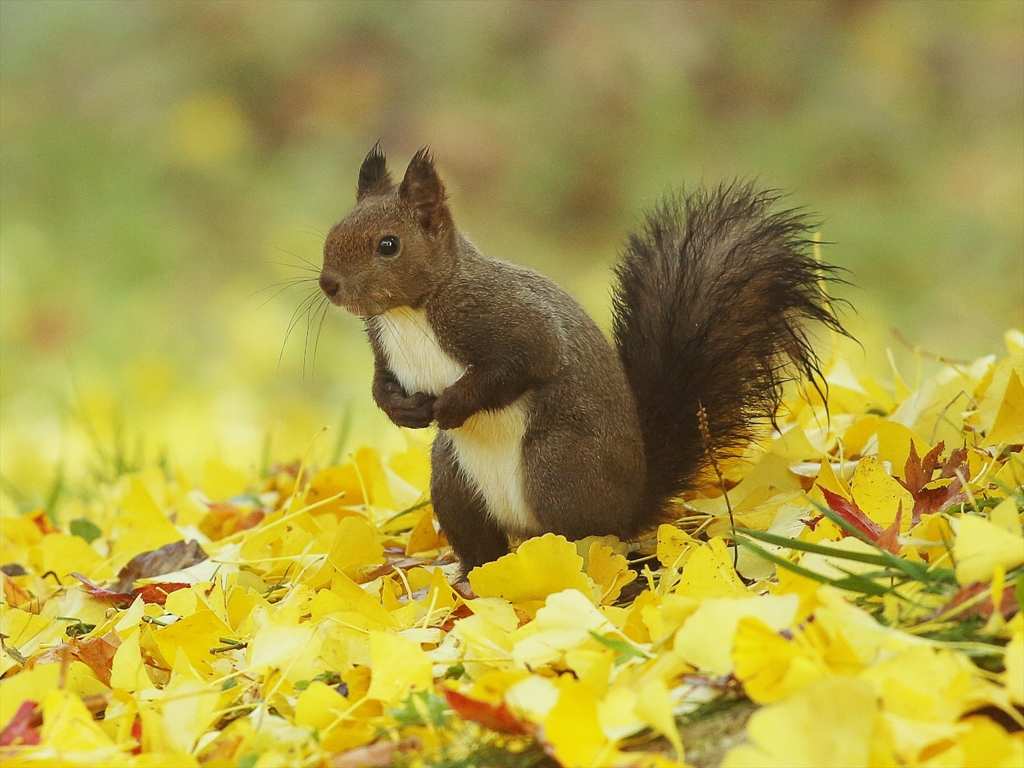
450	413
414	411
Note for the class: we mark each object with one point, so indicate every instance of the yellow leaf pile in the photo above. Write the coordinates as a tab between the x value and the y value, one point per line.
872	613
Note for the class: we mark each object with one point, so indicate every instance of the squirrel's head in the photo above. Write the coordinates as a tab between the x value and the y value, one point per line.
396	246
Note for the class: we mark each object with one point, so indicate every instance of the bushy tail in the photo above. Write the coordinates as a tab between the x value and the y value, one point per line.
709	311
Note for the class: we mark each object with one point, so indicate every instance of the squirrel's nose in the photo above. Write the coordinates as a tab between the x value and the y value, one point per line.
329	285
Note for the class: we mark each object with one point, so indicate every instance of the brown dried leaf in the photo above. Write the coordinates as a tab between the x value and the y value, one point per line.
167	559
380	755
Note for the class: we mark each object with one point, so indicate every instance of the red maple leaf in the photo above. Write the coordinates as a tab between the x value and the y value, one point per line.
150	593
1008	605
23	726
493	717
889	540
918	474
851	513
97	653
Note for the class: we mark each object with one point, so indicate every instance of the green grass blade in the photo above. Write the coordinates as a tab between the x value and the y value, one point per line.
852	582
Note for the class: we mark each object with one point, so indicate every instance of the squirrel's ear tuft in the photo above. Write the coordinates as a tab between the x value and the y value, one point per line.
374	178
424	190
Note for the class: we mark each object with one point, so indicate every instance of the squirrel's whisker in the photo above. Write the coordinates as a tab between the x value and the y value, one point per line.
296	316
306	263
293	282
311	310
324	307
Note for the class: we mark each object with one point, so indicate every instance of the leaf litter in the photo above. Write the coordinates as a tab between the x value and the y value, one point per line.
848	593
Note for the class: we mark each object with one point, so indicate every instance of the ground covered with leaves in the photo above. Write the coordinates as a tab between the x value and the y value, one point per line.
849	593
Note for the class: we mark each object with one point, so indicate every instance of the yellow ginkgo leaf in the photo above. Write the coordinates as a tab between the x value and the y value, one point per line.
321	707
986	745
592	666
827	724
346	597
863	638
69	727
188	704
196	635
856	436
412	465
805	588
772	471
828	480
291	649
63	553
1008	426
25	633
483	639
673	543
980	546
20	531
663	616
342	481
425	534
491	687
1005	515
925	683
398	666
27	685
894	441
1013	678
617	710
565	622
128	672
609	571
709	573
635	627
770	666
142	527
540	566
374	477
355	547
220	482
654	705
836	566
706	638
879	496
1011	475
572	727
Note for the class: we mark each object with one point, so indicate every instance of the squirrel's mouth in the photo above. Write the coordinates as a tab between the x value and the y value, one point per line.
350	292
356	308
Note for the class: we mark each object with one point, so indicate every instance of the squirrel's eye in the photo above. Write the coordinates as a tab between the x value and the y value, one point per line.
388	246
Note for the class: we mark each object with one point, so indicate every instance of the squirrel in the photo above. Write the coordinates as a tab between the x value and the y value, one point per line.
543	425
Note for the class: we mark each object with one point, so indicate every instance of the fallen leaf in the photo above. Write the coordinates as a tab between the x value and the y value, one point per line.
572	728
23	727
707	637
398	667
981	546
538	568
495	717
827	724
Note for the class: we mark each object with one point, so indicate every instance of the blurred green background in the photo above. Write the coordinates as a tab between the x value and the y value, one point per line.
163	165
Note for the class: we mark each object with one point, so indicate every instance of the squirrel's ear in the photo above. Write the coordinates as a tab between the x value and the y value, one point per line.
374	178
423	188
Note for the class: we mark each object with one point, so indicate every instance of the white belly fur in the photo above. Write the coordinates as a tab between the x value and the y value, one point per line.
489	446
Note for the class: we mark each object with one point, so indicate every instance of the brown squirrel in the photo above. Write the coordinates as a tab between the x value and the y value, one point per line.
543	426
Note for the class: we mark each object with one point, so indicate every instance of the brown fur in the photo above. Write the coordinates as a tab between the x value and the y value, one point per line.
708	310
